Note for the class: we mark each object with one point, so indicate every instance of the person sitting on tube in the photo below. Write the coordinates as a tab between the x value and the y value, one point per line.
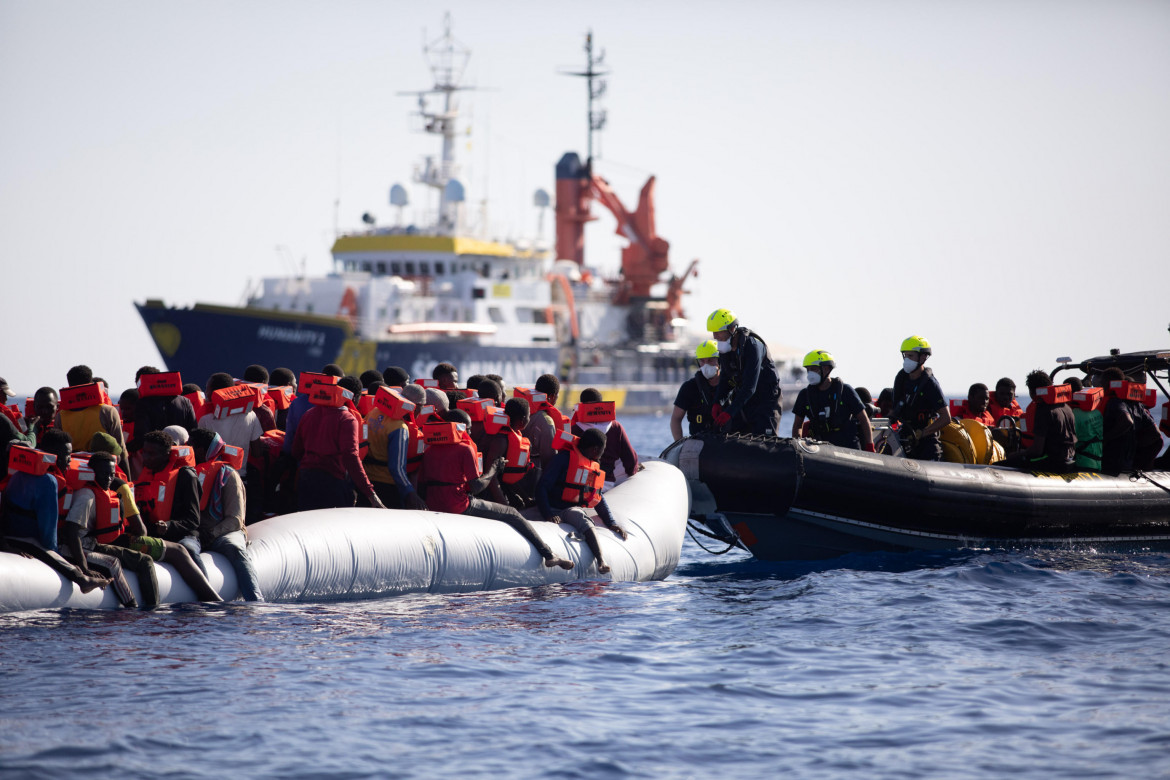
833	408
1054	438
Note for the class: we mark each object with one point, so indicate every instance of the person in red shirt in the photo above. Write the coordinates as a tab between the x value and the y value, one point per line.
975	407
449	479
326	447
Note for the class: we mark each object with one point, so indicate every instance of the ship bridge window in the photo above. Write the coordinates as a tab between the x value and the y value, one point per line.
439	269
424	268
523	314
496	315
381	268
410	268
396	269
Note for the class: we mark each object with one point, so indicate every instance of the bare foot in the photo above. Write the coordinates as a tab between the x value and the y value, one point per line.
90	582
564	563
603	568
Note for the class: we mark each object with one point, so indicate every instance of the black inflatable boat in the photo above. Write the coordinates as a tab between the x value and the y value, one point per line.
795	499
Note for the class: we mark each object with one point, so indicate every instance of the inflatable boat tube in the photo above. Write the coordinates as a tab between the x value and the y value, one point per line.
796	499
343	554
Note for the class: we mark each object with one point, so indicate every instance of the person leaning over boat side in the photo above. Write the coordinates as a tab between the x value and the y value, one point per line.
82	424
385	461
1054	438
446	375
31	512
619	451
541	428
554	487
919	403
450	480
696	396
327	451
223	505
975	407
833	408
747	399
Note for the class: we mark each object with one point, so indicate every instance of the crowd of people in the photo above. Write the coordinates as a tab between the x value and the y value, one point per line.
93	488
1101	422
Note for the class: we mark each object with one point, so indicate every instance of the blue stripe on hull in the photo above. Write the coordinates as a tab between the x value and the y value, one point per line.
211	341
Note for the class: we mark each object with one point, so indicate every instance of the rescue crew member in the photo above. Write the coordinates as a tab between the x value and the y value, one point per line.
451	480
619	460
31	511
563	501
747	399
835	411
975	407
223	506
696	396
1054	438
919	404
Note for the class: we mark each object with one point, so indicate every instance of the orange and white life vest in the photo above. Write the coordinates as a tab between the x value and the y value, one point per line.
393	404
475	407
583	480
517	461
166	385
281	396
208	471
232	401
538	402
155	493
595	412
78	397
437	431
310	378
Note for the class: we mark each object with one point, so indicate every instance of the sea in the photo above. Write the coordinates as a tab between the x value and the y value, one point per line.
978	663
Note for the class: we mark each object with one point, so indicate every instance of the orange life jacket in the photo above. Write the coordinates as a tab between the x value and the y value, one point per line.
35	462
517	463
475	407
108	524
583	480
495	420
80	397
999	412
12	412
365	403
438	431
538	402
198	403
207	473
155	493
597	412
166	385
232	401
1053	395
310	378
281	397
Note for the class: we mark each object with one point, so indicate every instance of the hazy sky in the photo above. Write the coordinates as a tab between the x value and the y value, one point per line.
994	176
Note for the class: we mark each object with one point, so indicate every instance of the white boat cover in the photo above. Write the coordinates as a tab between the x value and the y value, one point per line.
334	554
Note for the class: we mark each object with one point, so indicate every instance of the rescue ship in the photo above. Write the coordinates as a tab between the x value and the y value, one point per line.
416	296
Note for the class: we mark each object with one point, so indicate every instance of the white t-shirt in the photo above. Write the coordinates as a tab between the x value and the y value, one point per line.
82	512
238	430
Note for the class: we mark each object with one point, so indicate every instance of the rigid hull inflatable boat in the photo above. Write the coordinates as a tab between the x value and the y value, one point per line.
796	499
338	554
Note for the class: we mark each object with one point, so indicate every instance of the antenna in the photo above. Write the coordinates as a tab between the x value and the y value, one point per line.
595	89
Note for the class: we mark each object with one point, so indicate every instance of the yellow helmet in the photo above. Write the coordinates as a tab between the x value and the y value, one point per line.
706	349
819	357
916	344
721	319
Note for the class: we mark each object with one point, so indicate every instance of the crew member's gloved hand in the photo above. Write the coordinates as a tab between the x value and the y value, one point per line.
869	447
720	417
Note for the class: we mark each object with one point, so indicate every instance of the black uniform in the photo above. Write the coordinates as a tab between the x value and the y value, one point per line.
749	387
831	412
696	397
917	403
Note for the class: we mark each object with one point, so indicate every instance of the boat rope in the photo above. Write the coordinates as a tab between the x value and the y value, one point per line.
692	529
1135	476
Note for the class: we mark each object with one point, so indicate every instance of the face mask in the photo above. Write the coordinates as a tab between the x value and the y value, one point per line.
723	346
909	364
709	370
814	377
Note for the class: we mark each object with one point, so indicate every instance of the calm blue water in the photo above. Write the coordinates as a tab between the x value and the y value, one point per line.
1033	664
